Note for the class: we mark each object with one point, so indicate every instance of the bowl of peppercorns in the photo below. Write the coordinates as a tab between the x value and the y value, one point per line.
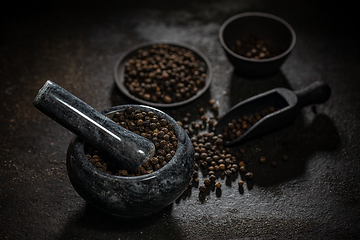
256	43
154	186
163	74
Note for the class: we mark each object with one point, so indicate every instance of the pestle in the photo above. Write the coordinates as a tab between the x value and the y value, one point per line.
129	150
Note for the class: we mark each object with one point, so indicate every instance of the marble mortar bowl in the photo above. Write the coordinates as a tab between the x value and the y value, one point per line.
131	197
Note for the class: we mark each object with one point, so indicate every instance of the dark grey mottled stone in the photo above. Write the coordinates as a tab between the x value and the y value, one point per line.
132	196
128	149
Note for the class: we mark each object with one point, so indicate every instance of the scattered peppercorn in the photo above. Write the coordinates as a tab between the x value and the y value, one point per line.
201	110
207	182
262	159
212	178
249	175
215	108
202	188
210	153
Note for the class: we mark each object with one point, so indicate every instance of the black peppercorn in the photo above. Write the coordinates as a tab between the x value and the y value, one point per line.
202	188
222	167
254	47
207	182
227	172
248	175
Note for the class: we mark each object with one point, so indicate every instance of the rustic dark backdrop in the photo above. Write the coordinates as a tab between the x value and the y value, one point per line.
314	195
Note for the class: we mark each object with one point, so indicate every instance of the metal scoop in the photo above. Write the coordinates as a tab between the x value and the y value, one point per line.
288	104
125	148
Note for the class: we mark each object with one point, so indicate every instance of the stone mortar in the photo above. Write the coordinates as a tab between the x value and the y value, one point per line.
131	197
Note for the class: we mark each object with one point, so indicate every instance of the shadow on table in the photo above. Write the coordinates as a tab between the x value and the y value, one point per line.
298	142
90	223
242	88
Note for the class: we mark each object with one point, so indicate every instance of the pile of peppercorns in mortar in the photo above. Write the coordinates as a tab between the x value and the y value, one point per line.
145	124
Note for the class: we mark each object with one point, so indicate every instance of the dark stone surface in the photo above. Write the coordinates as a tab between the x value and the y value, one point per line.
314	195
127	149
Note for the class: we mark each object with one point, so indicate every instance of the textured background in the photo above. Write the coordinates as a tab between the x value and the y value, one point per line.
313	195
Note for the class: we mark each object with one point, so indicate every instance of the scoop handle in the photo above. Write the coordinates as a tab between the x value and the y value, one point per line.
317	92
127	149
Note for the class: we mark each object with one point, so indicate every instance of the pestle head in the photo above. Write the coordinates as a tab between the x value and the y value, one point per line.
125	148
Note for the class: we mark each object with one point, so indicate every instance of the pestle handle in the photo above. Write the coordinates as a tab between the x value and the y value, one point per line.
317	92
127	149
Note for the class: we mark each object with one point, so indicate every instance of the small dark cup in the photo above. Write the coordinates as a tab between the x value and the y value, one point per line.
265	26
132	197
